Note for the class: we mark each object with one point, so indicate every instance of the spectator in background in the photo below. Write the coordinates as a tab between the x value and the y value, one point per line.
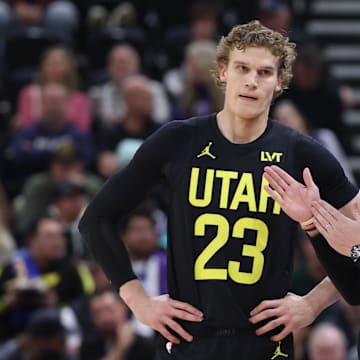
108	99
347	318
43	256
34	148
43	339
277	15
115	337
59	15
37	193
57	66
327	342
288	114
7	242
314	92
67	206
192	86
148	260
203	26
136	123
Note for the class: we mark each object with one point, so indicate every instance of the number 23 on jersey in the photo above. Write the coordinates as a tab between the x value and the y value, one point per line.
223	233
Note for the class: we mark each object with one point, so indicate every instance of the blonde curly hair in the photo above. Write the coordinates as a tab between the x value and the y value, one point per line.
254	34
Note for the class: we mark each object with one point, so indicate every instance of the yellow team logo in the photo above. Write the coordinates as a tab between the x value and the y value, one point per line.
270	156
278	352
206	151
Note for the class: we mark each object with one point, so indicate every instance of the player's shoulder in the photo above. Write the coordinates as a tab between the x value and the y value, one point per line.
185	127
299	137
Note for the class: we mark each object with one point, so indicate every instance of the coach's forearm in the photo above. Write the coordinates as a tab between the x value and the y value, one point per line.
322	296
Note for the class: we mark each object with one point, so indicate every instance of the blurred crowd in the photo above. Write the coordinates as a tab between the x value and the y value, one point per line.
82	85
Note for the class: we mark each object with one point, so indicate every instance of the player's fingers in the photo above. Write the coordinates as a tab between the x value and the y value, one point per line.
167	335
172	324
283	175
275	186
186	307
263	315
309	182
274	195
271	325
274	178
282	335
265	304
184	315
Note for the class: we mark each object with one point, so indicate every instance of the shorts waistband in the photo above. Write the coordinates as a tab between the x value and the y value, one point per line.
206	331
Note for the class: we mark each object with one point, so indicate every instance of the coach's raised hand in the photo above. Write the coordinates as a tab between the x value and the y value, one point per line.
159	312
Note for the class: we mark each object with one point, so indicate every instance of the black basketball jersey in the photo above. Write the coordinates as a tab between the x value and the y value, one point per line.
229	244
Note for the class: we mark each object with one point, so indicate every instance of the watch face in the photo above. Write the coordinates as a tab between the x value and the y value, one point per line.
355	252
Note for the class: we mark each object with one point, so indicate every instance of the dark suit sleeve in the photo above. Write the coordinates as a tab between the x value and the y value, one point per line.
121	194
343	272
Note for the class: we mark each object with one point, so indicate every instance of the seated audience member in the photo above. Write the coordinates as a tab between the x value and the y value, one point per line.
38	190
114	337
7	242
192	86
59	15
57	66
147	258
315	93
137	121
287	113
44	338
203	26
108	99
33	148
43	257
347	318
69	202
108	162
326	341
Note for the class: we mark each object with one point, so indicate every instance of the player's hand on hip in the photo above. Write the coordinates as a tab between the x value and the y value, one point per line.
294	198
161	313
292	312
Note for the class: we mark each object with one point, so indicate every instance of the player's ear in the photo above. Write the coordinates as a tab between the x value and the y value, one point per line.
278	86
222	72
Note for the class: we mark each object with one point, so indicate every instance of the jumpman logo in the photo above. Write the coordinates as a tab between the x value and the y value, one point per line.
206	151
278	352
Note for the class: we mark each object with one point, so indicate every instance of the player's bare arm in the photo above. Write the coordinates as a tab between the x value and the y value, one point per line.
293	311
161	312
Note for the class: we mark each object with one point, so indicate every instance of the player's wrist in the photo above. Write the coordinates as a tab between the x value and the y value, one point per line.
309	227
307	224
132	292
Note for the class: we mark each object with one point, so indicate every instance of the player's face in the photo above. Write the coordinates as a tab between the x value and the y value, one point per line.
251	78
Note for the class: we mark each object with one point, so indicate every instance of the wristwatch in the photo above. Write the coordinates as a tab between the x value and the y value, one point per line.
355	253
